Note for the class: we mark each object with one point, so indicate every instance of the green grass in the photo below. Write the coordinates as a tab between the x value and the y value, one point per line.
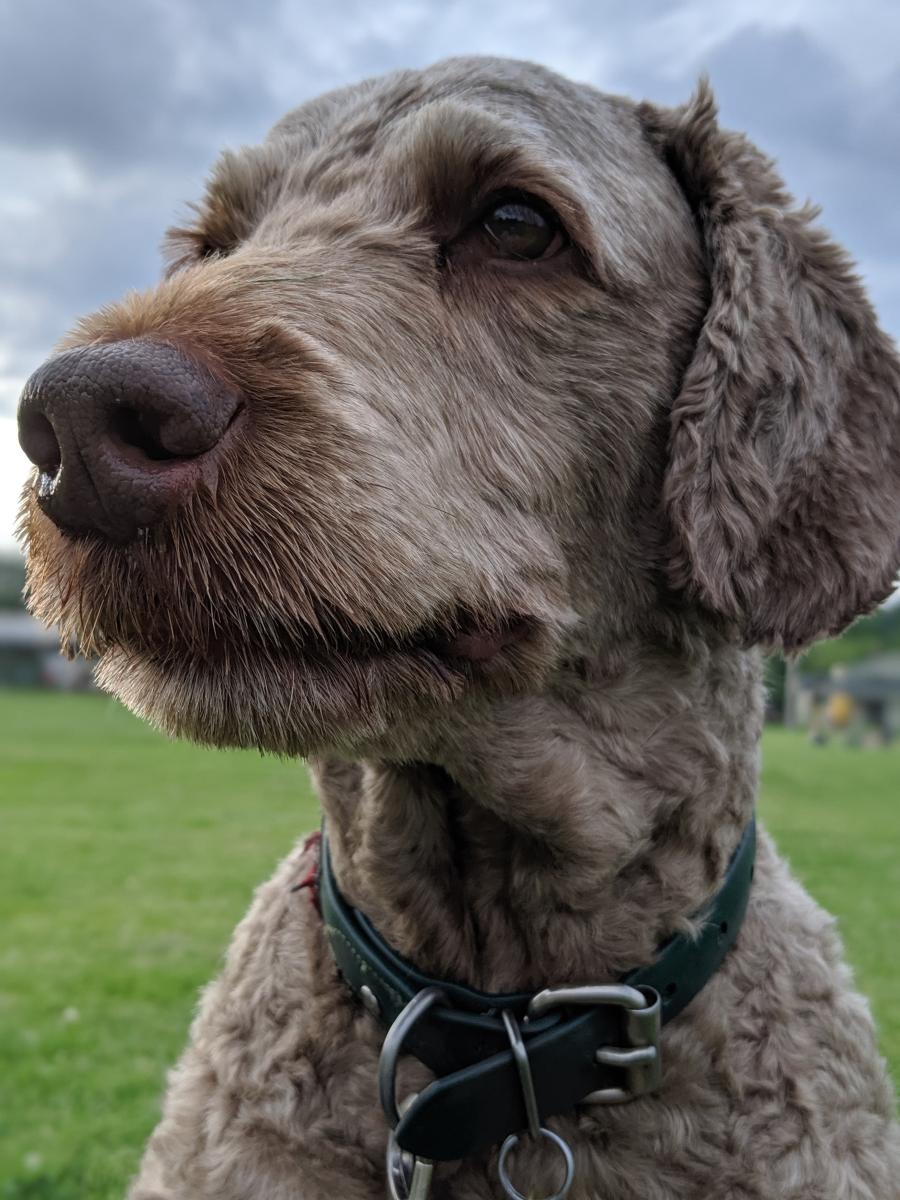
835	813
127	860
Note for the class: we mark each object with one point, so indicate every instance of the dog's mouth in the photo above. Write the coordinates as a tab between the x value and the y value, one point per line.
349	689
463	639
228	652
481	644
462	642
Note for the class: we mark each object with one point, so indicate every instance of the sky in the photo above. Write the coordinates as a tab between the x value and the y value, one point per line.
111	114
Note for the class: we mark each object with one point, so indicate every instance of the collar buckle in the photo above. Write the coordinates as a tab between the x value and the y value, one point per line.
640	1058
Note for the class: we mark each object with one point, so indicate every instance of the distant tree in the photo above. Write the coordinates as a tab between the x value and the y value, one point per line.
774	680
12	581
876	634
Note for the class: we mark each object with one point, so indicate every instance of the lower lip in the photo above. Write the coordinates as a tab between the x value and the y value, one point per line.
481	645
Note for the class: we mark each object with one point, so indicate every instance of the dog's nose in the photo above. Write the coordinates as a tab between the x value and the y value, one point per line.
121	434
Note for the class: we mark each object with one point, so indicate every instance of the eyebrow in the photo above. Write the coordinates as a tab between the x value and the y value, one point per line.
239	191
448	159
444	160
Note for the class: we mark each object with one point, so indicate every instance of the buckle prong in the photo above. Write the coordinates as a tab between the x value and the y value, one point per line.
640	1056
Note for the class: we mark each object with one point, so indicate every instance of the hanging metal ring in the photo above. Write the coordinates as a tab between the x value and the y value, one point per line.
510	1144
535	1129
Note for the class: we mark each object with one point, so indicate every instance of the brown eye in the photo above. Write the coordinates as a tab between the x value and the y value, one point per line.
520	230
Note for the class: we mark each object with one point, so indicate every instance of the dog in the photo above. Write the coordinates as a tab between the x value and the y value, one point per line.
482	430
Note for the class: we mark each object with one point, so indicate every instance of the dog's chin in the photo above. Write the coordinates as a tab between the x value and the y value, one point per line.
299	701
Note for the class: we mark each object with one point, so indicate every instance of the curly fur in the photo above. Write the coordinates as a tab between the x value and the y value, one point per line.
673	443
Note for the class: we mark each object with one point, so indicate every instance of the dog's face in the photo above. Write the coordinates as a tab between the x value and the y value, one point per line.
450	304
437	324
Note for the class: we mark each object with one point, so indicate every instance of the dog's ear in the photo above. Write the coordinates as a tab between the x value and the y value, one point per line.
783	485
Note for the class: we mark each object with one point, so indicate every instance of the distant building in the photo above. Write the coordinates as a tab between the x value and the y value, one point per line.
861	701
29	656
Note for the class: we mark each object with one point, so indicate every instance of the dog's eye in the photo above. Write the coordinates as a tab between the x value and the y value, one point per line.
518	229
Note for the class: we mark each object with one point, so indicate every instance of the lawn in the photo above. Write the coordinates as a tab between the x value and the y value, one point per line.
128	859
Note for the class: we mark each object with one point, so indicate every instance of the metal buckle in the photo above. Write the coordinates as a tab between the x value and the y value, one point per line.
640	1059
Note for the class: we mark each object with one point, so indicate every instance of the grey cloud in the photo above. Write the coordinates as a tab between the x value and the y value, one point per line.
90	78
836	138
106	243
118	82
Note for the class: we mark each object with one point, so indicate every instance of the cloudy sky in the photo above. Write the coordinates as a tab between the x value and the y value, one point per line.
112	111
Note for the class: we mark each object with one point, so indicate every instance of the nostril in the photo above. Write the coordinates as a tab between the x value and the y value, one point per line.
239	408
141	428
40	443
160	436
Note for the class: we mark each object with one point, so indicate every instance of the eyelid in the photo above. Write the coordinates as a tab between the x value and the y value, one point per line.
475	225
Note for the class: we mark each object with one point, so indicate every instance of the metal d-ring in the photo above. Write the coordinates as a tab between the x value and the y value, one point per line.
392	1048
408	1176
535	1129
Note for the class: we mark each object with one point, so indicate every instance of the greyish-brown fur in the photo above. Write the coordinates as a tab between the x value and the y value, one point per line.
641	459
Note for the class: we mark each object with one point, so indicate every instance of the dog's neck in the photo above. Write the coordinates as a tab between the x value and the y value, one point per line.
563	835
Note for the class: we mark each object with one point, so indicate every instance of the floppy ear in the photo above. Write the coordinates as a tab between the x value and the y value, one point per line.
783	485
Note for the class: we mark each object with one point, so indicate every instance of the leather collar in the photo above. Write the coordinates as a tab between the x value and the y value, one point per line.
580	1042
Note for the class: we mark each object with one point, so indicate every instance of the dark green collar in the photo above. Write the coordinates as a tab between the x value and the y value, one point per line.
596	1043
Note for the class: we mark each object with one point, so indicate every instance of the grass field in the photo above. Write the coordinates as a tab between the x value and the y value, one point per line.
128	859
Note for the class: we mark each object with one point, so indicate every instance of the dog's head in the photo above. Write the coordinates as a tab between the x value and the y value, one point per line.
456	370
